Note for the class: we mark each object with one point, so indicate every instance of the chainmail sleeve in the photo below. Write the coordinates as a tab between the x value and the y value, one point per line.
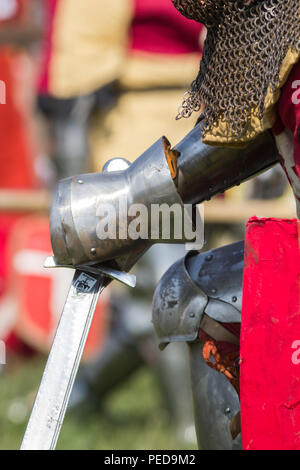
250	49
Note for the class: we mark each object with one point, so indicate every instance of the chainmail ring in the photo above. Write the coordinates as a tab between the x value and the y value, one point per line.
247	42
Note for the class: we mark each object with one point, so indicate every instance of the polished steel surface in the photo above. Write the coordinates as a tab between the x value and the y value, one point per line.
78	201
123	277
204	170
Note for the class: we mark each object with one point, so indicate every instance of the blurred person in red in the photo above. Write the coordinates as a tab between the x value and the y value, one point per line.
24	239
83	49
162	53
18	30
126	63
105	63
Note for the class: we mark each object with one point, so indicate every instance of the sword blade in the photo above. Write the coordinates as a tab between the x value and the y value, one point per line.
58	379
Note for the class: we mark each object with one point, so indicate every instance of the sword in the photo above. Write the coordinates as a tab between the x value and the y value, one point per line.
60	372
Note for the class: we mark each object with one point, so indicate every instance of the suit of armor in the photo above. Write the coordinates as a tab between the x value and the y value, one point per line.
197	301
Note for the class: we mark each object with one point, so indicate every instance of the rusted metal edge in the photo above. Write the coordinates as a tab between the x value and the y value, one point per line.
171	156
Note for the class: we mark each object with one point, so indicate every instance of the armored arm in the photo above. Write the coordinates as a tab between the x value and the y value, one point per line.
204	171
190	173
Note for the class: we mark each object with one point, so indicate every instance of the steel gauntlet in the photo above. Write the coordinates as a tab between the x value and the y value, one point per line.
189	173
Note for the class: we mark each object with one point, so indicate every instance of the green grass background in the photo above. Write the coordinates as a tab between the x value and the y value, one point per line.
133	416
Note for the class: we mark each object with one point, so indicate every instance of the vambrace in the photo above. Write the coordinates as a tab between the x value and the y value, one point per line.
190	173
204	171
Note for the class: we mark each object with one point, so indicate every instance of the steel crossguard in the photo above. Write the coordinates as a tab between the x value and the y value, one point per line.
58	379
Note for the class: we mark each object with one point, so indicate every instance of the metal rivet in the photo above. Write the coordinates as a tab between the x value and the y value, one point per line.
93	251
192	315
234	298
227	411
79	181
214	291
209	258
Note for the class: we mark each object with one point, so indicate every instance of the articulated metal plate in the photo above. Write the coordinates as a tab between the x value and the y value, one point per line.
208	283
178	306
219	273
215	404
